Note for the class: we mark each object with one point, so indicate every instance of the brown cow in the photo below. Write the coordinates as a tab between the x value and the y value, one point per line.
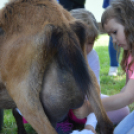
43	70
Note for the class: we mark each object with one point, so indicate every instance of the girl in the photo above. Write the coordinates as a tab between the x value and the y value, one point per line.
118	21
113	53
77	115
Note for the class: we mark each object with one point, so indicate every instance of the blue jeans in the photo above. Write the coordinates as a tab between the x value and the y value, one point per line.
113	54
71	4
126	126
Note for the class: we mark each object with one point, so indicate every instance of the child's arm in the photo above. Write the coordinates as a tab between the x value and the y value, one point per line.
91	122
84	131
120	100
89	126
83	111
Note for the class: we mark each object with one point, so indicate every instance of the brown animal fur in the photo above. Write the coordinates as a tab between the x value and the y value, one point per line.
42	65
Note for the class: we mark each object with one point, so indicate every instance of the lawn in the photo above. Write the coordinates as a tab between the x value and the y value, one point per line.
109	85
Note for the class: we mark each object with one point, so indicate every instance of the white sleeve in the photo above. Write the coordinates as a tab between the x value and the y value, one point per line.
84	131
91	120
93	61
18	111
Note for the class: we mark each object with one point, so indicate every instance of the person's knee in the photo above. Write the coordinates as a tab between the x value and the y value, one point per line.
117	130
131	131
125	111
117	116
125	125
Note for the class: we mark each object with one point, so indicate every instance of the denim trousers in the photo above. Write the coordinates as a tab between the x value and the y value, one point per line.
70	4
126	126
113	54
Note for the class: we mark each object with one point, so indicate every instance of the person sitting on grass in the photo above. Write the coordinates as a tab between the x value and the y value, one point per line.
82	114
118	21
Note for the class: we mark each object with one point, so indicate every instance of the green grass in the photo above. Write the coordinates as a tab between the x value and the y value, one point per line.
10	127
109	85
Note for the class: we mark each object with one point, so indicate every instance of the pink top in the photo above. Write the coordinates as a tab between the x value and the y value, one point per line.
130	71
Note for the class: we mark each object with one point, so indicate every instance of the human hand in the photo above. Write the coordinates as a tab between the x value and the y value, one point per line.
83	111
84	131
91	128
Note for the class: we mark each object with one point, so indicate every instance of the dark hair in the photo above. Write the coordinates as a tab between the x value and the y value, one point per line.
123	12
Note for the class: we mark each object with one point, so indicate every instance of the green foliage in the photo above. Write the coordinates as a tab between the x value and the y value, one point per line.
109	85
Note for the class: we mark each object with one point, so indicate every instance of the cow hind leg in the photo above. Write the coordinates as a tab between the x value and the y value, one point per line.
35	115
106	126
1	118
30	106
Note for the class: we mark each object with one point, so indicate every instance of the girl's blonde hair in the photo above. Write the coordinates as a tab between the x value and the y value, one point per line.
89	19
123	12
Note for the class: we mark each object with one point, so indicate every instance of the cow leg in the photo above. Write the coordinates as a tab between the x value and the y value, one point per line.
35	115
28	103
105	124
1	119
19	121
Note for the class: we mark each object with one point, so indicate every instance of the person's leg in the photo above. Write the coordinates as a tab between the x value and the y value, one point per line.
76	5
67	4
117	115
125	125
113	56
131	131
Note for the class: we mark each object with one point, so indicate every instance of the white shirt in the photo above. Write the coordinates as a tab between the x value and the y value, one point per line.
93	61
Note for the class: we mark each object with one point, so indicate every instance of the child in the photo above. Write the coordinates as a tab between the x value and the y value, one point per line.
88	18
118	21
90	21
113	53
93	60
